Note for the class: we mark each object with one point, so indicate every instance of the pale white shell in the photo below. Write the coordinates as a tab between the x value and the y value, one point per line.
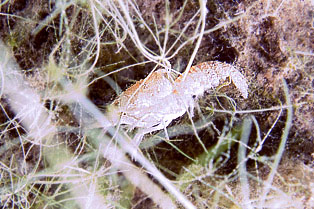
154	102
